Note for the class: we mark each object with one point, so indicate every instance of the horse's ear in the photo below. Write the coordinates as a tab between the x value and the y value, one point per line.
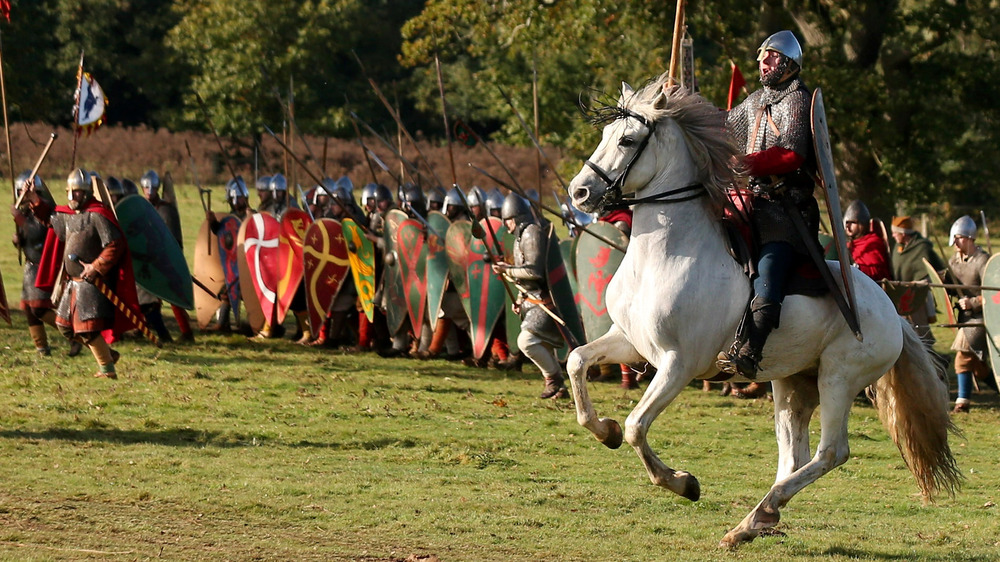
661	101
627	91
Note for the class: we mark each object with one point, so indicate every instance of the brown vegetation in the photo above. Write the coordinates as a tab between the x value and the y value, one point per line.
128	152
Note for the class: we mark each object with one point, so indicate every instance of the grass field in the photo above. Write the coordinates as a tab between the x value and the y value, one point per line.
229	450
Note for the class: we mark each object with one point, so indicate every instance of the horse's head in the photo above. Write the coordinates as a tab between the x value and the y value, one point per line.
666	141
618	161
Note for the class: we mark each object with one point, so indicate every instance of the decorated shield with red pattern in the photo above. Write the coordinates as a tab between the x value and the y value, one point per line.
991	313
392	280
326	265
596	262
294	223
437	262
411	246
483	296
563	299
361	254
260	246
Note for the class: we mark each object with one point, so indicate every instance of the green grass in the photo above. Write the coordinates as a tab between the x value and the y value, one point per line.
229	450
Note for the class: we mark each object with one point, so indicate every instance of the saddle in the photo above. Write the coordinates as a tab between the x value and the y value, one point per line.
805	278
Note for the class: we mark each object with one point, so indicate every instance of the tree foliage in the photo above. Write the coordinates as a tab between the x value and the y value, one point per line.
911	86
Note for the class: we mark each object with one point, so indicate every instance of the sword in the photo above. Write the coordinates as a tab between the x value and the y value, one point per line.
133	316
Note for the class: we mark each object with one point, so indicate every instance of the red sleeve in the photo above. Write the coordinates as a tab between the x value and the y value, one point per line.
774	161
870	254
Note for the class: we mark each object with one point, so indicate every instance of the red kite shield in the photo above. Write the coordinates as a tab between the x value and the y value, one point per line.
260	247
326	265
411	246
294	223
827	176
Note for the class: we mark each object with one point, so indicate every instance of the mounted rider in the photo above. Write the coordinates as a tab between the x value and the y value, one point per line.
773	128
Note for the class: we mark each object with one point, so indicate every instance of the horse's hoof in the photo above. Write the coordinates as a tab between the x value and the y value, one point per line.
692	489
614	437
734	539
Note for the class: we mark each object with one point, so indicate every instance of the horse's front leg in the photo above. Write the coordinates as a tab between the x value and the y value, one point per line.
670	380
612	347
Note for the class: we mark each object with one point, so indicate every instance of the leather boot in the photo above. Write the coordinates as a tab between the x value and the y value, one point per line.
302	320
744	357
628	378
554	388
222	318
41	339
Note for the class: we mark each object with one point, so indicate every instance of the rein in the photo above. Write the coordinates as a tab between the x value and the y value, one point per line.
613	199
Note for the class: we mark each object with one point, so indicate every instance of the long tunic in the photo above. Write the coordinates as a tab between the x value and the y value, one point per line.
969	271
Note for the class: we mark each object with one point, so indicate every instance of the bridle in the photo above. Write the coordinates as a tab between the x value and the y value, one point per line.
613	198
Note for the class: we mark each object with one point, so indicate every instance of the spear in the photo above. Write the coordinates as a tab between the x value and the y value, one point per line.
444	116
533	138
986	232
208	119
395	116
38	164
539	207
414	170
675	45
201	195
348	208
6	128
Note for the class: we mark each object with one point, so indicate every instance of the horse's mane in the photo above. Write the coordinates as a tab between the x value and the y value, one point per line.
703	125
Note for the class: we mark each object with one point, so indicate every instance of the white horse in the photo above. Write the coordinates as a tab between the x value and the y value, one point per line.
678	296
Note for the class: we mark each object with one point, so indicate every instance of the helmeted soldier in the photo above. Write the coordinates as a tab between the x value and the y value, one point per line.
868	250
29	236
319	201
494	202
115	189
152	188
968	264
476	198
86	237
435	199
277	202
906	257
539	334
454	205
412	201
368	197
129	187
773	128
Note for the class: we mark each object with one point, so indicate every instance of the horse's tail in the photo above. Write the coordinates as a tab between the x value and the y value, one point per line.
912	402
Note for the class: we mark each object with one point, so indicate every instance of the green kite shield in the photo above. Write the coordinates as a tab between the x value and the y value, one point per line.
562	293
457	247
568	253
392	279
942	302
991	313
828	177
157	258
325	265
411	249
361	255
437	262
208	271
294	223
487	296
596	263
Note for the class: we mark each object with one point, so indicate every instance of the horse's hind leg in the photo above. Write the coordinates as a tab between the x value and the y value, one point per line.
831	452
666	385
612	347
795	399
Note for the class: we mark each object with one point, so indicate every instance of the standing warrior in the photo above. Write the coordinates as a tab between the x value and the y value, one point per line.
86	239
907	260
772	127
968	264
167	209
539	336
868	250
29	236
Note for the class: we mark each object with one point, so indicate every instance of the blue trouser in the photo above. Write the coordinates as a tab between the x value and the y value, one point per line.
773	268
964	385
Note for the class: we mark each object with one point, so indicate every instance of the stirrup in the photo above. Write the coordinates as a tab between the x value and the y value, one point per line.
737	364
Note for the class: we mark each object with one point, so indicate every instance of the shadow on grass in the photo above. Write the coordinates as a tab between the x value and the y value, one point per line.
186	437
856	554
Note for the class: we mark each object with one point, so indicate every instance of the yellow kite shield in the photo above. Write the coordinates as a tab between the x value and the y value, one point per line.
361	255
